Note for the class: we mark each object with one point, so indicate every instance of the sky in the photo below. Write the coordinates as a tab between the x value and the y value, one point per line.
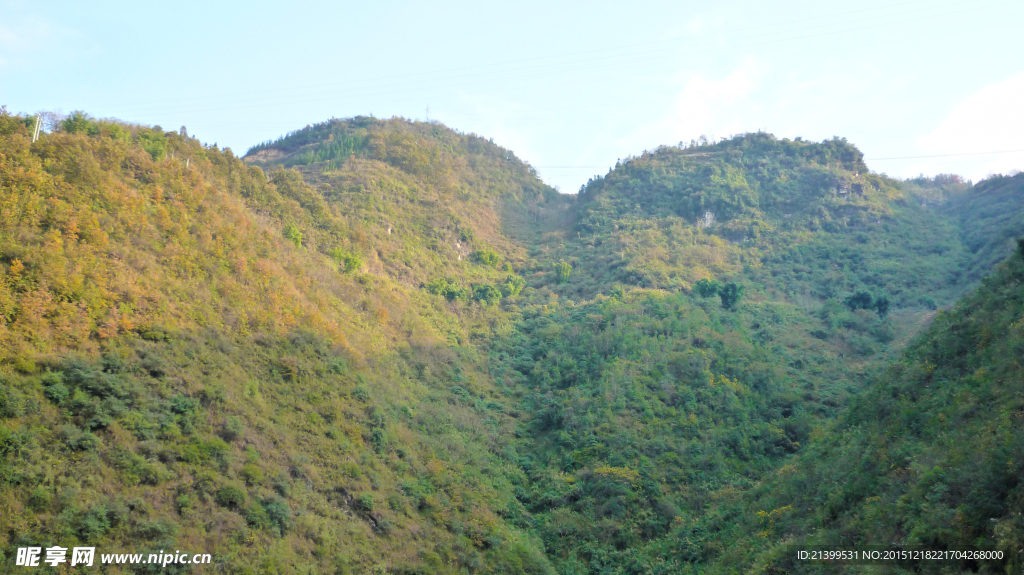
921	87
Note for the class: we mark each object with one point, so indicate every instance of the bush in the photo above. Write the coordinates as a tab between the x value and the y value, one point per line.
12	404
39	499
486	294
230	496
513	286
278	513
864	300
859	300
256	516
361	392
55	390
293	233
347	262
365	502
79	440
233	428
448	288
251	474
706	288
486	257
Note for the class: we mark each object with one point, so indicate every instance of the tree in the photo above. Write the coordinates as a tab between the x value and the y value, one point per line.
859	300
730	294
77	122
513	285
706	287
562	271
155	143
881	306
486	294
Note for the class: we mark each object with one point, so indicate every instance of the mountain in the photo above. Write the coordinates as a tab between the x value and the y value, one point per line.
651	401
387	346
804	219
200	356
928	455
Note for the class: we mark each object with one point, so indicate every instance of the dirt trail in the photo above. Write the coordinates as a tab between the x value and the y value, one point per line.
921	323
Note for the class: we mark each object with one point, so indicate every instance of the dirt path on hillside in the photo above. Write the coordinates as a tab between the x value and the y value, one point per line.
919	325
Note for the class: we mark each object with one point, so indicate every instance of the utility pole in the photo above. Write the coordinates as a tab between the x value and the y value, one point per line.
35	134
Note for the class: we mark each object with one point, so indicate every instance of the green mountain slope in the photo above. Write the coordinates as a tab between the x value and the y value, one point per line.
191	362
426	196
386	346
990	217
650	407
929	455
805	220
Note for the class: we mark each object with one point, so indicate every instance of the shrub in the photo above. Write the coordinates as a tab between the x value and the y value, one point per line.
706	287
233	428
859	300
39	499
486	257
365	502
278	513
282	485
293	233
513	286
251	474
448	288
230	496
11	404
486	294
256	516
379	441
57	393
347	262
361	393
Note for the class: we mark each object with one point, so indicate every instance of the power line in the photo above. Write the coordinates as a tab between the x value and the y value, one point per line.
866	159
945	155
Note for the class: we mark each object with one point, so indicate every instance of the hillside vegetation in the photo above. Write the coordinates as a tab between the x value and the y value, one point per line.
386	346
929	455
193	362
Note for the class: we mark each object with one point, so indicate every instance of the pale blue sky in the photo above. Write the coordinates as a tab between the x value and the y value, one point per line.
570	87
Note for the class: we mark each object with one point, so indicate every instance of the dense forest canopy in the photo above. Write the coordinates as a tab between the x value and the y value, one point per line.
385	346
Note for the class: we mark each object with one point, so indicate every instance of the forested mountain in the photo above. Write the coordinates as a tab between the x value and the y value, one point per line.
929	455
199	356
386	346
